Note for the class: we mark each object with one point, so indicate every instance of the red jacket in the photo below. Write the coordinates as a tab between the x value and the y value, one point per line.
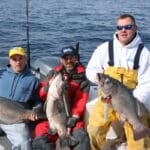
78	90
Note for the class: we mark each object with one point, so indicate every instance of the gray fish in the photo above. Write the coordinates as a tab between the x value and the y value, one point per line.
55	109
15	112
56	114
124	103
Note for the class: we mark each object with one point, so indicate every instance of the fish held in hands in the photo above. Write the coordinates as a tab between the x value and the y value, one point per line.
124	103
14	112
56	113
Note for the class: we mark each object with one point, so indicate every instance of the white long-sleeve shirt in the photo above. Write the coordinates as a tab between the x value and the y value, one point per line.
124	57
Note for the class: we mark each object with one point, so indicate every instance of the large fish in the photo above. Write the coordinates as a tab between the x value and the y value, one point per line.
124	103
55	109
56	113
15	112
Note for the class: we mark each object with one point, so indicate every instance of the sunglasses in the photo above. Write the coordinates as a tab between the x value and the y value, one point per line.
69	57
127	27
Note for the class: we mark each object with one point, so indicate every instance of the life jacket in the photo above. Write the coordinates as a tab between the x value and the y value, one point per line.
127	77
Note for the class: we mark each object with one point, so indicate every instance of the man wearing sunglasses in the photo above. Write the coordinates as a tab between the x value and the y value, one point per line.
126	59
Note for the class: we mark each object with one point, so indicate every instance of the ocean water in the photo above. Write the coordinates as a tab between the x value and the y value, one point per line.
54	24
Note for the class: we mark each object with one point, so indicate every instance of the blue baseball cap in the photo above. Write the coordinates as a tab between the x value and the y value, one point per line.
68	51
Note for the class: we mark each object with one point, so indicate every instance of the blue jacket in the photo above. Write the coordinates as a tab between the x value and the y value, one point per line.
21	87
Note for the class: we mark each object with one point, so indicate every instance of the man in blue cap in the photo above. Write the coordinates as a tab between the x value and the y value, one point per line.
78	88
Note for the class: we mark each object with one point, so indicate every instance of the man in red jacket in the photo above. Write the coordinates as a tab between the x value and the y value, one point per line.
78	90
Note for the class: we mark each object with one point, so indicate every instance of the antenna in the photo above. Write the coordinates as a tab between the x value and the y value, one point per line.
27	30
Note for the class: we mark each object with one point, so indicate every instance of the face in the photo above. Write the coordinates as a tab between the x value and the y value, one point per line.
18	63
69	62
125	35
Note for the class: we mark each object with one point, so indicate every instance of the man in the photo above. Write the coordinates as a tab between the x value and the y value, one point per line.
78	88
125	59
17	83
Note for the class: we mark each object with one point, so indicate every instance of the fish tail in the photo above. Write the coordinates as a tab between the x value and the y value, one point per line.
73	141
140	133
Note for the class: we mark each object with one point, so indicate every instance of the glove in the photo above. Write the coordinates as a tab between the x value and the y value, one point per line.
71	122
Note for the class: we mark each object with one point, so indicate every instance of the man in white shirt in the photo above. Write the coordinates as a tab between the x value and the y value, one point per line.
126	59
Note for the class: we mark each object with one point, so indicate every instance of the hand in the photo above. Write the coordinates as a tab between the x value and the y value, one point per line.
33	117
69	131
71	122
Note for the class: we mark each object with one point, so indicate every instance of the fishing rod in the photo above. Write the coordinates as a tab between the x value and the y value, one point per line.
77	49
27	30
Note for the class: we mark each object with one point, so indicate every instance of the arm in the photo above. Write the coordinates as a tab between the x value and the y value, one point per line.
35	94
80	99
142	90
78	104
35	100
97	62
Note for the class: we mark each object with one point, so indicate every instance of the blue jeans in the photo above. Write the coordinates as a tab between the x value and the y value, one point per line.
19	135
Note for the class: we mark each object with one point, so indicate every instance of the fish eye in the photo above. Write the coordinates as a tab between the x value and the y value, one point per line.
107	81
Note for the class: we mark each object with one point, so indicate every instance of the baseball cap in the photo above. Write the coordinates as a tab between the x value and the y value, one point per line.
68	51
17	51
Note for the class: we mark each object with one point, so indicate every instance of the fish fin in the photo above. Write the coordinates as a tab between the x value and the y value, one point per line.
140	133
44	106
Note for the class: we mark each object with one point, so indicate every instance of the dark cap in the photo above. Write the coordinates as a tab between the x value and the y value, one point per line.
68	51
